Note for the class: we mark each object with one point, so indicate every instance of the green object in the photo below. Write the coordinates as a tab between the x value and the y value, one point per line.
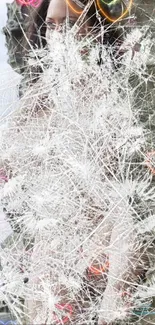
25	30
15	25
115	8
111	3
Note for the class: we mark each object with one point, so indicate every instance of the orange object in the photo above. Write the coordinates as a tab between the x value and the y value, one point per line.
150	162
102	11
72	8
66	307
99	270
112	19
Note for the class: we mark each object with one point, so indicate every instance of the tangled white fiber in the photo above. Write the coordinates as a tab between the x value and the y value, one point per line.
78	192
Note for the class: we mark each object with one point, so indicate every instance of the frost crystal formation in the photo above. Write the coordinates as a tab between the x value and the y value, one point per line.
77	189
